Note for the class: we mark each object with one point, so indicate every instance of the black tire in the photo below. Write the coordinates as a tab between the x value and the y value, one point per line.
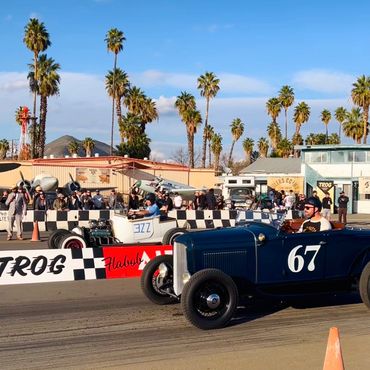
54	238
152	285
364	286
72	241
209	299
170	236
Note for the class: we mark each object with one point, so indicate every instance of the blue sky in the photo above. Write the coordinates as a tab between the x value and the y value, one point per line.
317	47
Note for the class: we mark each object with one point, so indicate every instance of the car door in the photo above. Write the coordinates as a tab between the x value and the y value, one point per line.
292	258
142	228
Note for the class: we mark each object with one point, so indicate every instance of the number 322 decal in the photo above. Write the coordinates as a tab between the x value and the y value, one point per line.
296	262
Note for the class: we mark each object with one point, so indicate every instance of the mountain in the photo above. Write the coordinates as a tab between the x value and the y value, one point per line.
59	147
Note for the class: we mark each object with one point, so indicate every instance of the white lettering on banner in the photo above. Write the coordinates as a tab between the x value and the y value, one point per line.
35	266
296	262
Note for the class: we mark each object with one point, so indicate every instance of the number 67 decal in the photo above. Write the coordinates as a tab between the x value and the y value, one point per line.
296	262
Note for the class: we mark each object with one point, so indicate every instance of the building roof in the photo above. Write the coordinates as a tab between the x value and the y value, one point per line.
332	147
274	165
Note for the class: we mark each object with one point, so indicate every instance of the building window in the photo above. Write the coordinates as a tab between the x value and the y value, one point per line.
317	157
246	181
367	196
232	181
338	157
359	156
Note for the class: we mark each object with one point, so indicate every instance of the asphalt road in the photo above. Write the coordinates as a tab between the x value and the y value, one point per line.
109	324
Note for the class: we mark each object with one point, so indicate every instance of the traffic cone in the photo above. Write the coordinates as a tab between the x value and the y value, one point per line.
35	232
333	356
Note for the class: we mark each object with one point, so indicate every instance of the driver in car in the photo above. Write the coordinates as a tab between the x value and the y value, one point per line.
315	222
150	210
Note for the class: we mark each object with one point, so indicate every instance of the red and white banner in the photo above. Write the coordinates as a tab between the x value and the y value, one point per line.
51	265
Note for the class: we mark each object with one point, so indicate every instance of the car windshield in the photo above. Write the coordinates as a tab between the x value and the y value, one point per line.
240	193
274	219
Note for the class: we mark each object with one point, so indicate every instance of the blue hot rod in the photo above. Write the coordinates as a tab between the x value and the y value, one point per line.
213	271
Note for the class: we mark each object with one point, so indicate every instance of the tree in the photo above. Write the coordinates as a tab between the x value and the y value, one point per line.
301	115
209	133
47	86
297	139
181	156
88	145
185	104
340	116
284	148
37	40
325	118
114	39
274	133
286	97
248	145
216	147
237	129
353	125
263	147
118	80
361	96
73	147
334	139
273	107
4	147
208	84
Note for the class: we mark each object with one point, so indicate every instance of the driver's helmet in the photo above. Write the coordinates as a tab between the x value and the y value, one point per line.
313	201
150	197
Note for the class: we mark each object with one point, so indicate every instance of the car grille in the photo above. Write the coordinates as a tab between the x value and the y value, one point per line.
229	262
180	265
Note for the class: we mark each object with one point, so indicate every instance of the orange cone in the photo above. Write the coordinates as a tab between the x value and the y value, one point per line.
333	356
35	232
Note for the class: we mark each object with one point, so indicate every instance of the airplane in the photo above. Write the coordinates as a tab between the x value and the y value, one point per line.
46	181
158	183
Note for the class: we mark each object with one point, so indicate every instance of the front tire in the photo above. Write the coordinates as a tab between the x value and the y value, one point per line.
72	241
364	286
55	236
153	285
170	236
209	299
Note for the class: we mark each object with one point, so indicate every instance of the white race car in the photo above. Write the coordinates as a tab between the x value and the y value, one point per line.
119	230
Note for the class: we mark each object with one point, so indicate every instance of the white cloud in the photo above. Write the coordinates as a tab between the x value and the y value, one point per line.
324	81
165	105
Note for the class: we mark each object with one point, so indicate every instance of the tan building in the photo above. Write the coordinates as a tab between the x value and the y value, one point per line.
112	171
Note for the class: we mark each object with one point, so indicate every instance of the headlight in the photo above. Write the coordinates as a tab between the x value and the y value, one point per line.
185	277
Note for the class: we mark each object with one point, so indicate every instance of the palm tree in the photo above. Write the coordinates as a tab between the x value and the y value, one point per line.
284	148
352	125
274	133
311	139
73	147
4	147
263	147
114	39
286	97
273	107
301	115
148	113
340	116
208	84
297	139
209	133
361	96
88	144
37	40
216	147
129	127
237	129
334	139
119	80
248	145
48	85
325	118
192	120
185	104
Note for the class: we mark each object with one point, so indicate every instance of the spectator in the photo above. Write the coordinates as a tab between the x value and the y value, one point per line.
288	201
40	204
300	205
314	194
38	190
98	200
112	200
342	207
86	200
74	201
59	203
3	199
133	202
326	205
211	199
167	204
17	204
177	201
202	201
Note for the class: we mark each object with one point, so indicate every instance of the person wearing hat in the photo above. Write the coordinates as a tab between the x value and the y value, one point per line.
326	206
342	207
98	200
36	195
150	210
314	221
59	203
112	200
17	204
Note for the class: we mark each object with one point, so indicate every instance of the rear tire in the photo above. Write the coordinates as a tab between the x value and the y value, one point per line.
170	236
153	285
72	241
55	236
364	286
